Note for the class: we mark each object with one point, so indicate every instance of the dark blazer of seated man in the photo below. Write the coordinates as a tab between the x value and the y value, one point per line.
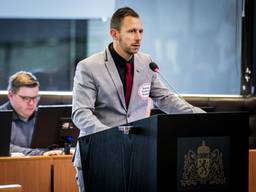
23	96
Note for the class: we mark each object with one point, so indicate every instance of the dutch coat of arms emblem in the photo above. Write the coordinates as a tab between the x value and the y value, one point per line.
203	167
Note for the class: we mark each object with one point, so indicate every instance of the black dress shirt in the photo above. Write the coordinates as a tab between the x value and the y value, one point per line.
120	63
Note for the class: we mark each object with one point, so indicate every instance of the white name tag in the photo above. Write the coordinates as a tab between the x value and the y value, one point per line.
144	90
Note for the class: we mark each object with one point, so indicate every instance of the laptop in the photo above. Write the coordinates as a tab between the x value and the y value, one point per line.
54	127
5	136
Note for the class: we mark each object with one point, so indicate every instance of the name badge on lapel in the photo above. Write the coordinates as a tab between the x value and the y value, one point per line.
144	90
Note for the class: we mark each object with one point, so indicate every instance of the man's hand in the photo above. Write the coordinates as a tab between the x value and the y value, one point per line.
53	152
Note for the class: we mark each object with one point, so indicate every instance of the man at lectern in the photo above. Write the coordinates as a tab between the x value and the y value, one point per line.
112	87
23	98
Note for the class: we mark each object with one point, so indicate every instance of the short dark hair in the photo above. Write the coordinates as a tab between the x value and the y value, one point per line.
119	15
22	79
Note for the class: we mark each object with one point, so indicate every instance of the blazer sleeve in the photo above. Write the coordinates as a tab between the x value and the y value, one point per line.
84	97
25	151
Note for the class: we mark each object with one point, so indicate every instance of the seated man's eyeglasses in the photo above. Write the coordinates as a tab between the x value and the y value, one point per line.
28	99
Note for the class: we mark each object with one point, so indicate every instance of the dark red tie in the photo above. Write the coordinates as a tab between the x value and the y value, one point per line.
128	83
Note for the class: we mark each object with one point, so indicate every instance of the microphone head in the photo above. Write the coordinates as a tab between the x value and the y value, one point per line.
153	66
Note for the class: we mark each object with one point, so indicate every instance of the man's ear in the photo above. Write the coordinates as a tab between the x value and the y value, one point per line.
10	94
114	34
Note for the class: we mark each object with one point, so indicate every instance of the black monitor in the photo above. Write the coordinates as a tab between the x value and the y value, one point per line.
5	136
54	127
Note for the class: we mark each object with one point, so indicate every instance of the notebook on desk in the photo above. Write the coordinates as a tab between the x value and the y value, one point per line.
5	136
53	128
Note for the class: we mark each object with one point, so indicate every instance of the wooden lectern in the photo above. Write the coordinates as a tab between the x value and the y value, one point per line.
178	152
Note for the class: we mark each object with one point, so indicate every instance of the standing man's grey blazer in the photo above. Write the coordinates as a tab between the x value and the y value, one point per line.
98	94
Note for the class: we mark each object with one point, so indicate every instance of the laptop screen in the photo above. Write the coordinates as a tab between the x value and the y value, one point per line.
54	127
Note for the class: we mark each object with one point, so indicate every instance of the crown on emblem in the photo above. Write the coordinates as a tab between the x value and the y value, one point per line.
203	148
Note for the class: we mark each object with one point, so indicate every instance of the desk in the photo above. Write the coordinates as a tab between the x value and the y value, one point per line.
63	174
39	173
32	173
252	170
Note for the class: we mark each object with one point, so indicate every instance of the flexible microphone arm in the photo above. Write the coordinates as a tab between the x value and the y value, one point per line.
154	67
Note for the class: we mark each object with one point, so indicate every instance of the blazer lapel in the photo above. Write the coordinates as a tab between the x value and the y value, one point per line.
111	67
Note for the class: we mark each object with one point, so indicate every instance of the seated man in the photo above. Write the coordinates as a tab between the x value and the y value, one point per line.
23	88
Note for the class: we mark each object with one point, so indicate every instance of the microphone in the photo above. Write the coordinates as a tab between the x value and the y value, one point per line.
154	67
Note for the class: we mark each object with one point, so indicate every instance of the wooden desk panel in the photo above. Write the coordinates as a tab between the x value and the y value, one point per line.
64	174
32	173
252	171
